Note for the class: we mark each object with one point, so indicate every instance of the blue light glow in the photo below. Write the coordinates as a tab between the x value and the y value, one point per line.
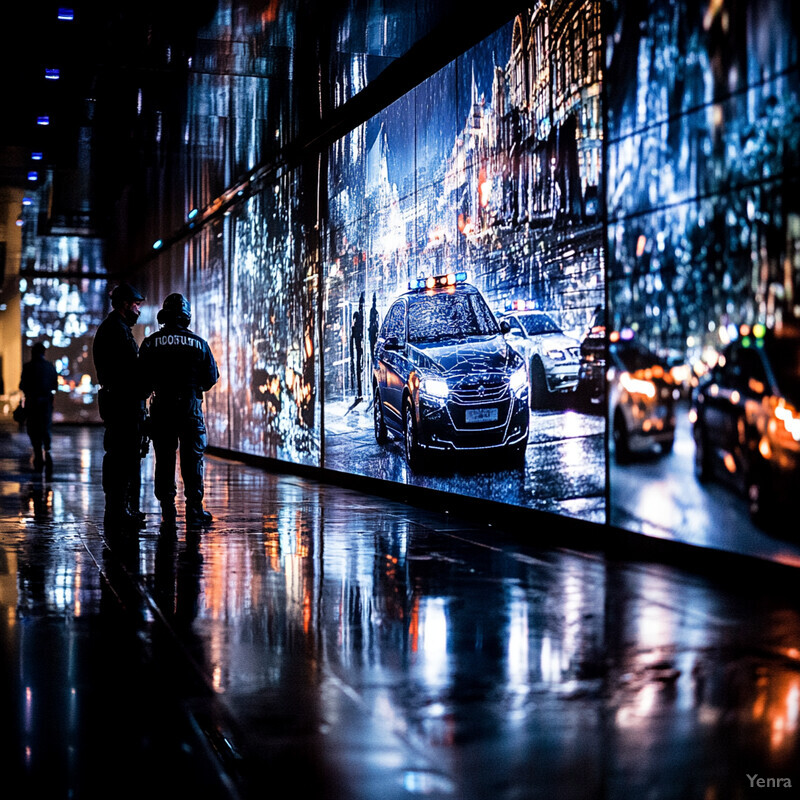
157	244
43	120
52	74
66	14
26	201
33	176
193	213
36	156
433	281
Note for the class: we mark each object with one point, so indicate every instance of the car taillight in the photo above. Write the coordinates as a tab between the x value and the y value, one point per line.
637	386
789	417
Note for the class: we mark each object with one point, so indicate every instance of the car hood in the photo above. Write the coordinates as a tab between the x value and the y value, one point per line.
480	354
553	341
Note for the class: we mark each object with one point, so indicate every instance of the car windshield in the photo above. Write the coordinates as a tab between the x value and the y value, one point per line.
784	356
440	316
635	357
535	324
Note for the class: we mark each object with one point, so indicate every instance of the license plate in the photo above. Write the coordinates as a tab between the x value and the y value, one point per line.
481	415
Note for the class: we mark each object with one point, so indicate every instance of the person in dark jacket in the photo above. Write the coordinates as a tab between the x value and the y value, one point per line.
38	383
177	366
121	407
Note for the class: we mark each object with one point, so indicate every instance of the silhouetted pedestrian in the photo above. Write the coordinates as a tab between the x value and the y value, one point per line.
38	383
374	326
121	406
357	346
177	366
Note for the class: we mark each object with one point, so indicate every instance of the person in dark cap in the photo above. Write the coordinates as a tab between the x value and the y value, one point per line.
121	406
177	366
38	383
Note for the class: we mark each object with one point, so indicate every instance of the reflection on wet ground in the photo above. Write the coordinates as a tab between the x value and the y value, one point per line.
563	472
353	647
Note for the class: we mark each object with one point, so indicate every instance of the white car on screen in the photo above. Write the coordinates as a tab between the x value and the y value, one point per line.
553	357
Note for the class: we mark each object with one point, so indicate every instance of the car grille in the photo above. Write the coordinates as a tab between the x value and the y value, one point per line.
488	389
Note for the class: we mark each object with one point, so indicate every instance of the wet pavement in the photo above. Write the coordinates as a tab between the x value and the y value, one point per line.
563	472
660	496
323	643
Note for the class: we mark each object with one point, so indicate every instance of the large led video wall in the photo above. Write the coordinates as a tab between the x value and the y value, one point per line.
489	172
560	273
273	334
704	362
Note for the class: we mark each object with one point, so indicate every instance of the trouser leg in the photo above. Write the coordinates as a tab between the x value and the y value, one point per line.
165	446
194	441
121	464
193	446
47	426
34	427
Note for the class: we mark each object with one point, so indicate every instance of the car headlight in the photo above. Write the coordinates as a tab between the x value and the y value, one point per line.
518	380
556	355
435	387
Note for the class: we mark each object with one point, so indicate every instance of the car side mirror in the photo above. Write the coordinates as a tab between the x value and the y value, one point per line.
504	326
391	343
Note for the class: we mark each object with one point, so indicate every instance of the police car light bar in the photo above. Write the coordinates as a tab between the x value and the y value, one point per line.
431	282
520	305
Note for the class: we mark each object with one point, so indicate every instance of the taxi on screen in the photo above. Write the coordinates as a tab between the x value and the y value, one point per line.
444	378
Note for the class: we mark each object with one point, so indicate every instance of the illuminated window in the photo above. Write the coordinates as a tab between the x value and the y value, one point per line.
52	74
66	14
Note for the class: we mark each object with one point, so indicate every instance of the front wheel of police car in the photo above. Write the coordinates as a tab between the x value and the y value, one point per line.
412	447
379	423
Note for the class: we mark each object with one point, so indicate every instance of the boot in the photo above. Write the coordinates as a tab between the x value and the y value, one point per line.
118	516
132	504
48	463
197	515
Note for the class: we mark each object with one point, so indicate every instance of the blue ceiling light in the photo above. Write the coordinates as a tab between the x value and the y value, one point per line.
36	156
33	176
52	74
66	14
27	201
44	119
